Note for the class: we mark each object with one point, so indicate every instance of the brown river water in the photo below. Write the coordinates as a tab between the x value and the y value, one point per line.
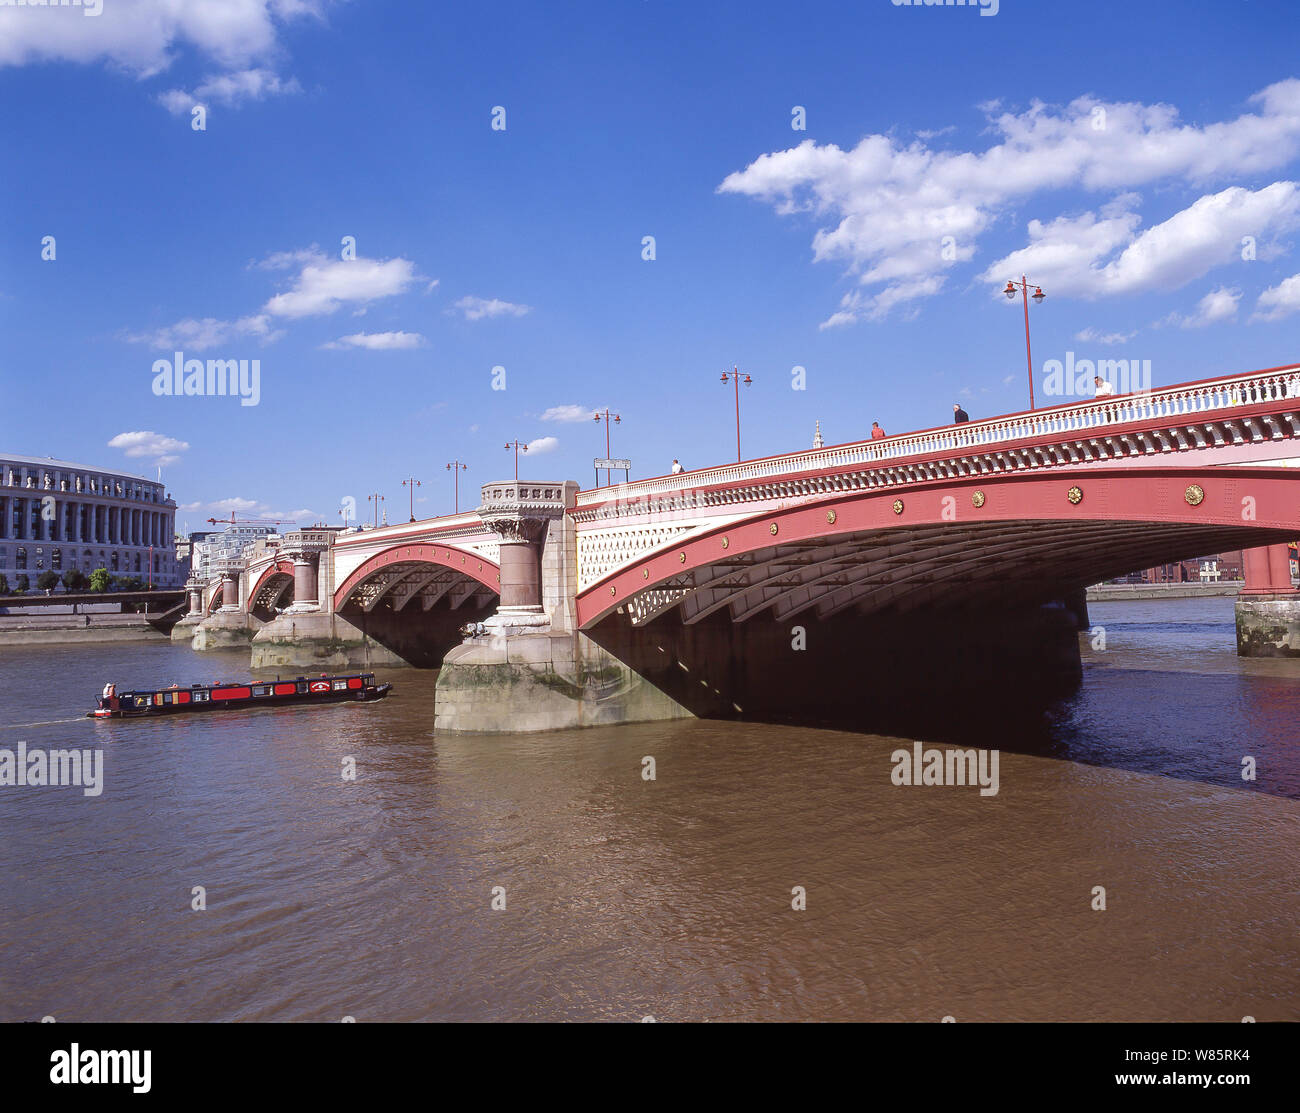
672	898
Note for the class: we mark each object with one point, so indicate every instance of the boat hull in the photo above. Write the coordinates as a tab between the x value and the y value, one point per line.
238	697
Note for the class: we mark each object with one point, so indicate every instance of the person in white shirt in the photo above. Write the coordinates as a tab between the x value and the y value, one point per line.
677	468
1103	387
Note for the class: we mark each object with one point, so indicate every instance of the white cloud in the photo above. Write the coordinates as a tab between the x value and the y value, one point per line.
1093	336
886	208
856	305
1088	257
542	445
476	309
230	89
568	413
378	341
144	37
287	260
203	334
1279	301
242	507
255	508
1218	305
324	285
159	449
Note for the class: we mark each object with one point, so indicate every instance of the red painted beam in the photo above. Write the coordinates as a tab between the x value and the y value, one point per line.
476	567
1256	498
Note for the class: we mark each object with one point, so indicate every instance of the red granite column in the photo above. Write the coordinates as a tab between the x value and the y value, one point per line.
1258	568
521	578
1279	568
304	579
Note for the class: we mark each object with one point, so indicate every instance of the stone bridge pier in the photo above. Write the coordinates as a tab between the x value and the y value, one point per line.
530	668
1268	608
309	633
185	628
230	624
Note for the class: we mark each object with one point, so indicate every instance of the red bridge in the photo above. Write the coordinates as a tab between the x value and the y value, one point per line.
774	586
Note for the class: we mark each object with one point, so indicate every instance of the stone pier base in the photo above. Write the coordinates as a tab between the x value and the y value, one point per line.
225	629
1268	626
538	680
186	628
315	640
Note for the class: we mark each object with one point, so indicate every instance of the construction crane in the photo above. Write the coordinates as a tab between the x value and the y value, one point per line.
233	521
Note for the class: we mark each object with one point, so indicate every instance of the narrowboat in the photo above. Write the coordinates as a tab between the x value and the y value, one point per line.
356	687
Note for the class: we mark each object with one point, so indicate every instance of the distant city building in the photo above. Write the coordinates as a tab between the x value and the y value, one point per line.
817	436
231	543
56	516
1206	569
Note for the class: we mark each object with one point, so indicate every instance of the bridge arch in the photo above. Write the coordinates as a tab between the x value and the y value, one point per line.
275	580
214	599
976	540
403	573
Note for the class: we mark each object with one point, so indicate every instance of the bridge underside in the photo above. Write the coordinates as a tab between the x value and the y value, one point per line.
416	609
935	628
895	571
273	592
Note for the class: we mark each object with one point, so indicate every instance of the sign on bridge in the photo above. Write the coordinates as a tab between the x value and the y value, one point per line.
609	466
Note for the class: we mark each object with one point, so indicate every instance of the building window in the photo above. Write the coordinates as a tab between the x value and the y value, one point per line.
56	560
114	567
20	561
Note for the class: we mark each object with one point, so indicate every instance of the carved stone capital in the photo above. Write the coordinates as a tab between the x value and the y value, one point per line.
306	545
518	511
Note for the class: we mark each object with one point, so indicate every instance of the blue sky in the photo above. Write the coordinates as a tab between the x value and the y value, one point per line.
1120	153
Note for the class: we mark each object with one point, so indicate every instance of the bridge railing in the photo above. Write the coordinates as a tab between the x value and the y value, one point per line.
1181	401
391	533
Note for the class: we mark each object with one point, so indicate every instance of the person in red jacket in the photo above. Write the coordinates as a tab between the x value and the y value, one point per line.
876	431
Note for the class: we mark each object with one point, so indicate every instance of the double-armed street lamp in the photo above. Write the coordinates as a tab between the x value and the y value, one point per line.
518	446
1038	295
413	483
734	376
376	499
456	467
606	417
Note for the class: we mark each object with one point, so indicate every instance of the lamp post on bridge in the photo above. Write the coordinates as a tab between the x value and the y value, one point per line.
413	483
456	467
1038	296
518	446
376	499
606	418
734	376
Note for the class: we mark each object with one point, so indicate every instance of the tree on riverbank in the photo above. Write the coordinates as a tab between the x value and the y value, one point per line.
21	585
4	584
74	579
47	581
99	580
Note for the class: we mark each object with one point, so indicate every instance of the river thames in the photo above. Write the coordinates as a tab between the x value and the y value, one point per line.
626	898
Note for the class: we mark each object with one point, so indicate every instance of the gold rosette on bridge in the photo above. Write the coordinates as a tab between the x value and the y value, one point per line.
1195	495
